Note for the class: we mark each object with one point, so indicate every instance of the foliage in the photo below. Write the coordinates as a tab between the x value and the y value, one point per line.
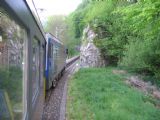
61	27
128	32
57	26
142	53
72	41
104	96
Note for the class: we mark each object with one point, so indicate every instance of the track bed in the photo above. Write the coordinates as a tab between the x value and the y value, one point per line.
54	108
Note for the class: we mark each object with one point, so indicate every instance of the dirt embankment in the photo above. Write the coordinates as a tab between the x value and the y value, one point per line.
146	87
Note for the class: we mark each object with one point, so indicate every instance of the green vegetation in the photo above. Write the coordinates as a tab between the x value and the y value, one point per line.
56	25
98	94
128	32
62	28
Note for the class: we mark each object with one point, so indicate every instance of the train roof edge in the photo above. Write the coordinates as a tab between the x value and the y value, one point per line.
29	15
36	18
52	36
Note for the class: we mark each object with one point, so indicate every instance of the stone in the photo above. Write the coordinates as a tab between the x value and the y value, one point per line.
156	94
90	55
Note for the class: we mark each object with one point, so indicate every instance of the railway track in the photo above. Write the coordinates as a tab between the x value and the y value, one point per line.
53	110
69	62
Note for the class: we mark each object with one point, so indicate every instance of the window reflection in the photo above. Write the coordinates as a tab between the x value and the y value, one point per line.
35	68
12	56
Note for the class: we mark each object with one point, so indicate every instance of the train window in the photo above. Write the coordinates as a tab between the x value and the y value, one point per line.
57	50
35	68
54	50
13	39
49	50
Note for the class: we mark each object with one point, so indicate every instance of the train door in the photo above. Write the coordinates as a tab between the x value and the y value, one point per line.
50	64
54	58
13	68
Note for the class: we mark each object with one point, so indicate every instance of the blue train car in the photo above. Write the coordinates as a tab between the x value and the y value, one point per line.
55	60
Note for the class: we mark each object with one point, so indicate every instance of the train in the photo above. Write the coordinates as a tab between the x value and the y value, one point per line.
55	60
31	61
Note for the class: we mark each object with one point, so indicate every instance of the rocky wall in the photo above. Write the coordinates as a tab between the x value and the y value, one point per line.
90	55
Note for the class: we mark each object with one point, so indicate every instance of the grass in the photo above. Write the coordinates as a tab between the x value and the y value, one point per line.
98	94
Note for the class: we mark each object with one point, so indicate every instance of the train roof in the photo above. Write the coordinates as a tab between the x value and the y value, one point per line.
54	38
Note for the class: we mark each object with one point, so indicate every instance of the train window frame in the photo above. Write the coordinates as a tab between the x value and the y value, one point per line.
24	62
37	88
49	50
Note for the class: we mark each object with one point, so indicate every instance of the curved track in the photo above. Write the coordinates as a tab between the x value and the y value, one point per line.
54	108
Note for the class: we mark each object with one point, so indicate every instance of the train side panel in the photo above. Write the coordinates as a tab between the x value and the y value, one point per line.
50	64
61	58
55	61
23	42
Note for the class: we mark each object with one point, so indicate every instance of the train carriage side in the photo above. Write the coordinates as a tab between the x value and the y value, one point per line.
22	46
50	64
55	60
61	59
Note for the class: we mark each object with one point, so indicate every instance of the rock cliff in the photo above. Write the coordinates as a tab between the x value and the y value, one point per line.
90	55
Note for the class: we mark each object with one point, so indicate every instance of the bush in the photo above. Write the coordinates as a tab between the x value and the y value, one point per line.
143	53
